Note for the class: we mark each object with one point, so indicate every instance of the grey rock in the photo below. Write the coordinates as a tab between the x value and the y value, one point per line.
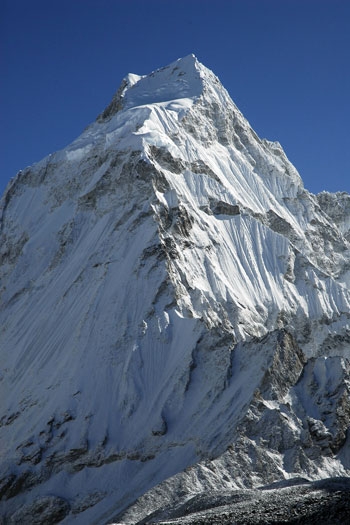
47	510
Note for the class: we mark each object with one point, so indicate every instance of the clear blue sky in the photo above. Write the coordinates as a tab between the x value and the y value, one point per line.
285	63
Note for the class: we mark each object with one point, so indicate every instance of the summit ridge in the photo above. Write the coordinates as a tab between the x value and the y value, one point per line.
175	313
179	80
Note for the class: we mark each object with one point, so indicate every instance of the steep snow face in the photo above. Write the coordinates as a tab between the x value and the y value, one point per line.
161	277
183	79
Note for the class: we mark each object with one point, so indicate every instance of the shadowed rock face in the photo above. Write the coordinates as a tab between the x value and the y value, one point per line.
46	510
174	313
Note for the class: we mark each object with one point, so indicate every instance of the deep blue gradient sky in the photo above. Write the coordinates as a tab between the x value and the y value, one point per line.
285	63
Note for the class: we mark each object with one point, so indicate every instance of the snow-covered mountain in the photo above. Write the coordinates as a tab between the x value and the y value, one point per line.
175	310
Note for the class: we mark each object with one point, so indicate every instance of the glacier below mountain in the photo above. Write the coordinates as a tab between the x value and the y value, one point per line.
174	313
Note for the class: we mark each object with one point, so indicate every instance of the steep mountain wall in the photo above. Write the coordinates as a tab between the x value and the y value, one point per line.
173	303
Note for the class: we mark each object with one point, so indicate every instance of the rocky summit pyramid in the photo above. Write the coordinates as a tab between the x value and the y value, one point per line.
175	313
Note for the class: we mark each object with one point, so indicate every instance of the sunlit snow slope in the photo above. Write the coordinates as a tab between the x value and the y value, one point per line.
171	296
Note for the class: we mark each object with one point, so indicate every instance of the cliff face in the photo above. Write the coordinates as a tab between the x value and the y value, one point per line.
171	298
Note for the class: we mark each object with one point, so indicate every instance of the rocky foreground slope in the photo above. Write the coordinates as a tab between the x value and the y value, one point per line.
175	313
296	501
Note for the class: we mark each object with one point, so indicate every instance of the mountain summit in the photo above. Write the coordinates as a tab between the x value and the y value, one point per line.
175	313
182	79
